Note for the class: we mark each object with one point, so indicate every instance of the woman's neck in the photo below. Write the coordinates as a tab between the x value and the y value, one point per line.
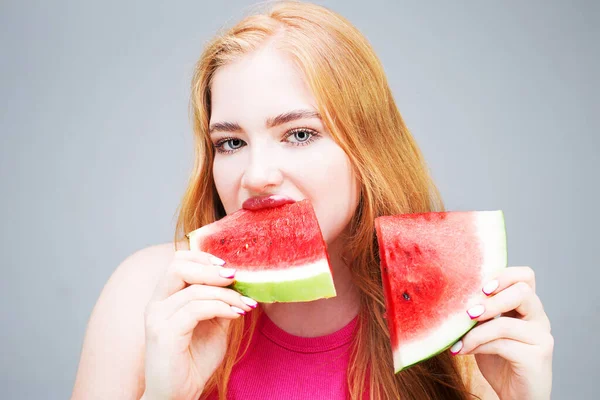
325	316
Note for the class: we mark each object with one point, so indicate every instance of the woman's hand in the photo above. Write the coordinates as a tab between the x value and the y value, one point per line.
186	325
512	343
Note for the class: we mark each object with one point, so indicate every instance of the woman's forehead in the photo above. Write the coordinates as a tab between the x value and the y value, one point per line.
259	85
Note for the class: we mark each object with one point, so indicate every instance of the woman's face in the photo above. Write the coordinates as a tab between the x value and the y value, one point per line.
269	139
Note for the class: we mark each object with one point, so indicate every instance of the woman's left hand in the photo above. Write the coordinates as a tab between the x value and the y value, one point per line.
513	350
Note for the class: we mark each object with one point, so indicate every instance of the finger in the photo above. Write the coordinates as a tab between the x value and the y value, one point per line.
172	304
542	348
184	272
502	328
508	277
517	352
199	257
518	297
185	320
511	350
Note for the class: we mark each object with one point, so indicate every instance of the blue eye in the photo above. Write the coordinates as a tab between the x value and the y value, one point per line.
229	145
234	144
301	137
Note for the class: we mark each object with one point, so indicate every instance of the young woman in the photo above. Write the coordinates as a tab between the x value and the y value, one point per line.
294	102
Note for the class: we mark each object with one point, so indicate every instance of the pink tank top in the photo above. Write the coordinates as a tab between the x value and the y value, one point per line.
280	366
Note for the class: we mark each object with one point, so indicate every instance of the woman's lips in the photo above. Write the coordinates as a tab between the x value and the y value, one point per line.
275	200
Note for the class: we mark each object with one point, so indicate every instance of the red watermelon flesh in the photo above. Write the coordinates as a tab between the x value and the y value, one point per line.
433	267
279	237
278	252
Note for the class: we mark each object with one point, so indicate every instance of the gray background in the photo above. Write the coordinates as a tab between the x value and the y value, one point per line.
95	149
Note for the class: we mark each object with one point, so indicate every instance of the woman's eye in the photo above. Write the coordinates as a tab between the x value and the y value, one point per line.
300	136
232	144
229	145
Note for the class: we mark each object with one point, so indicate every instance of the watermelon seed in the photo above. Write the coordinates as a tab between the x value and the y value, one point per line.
222	241
406	296
417	250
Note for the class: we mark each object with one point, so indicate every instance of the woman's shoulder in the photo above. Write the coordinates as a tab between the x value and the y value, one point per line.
133	281
141	270
148	263
117	323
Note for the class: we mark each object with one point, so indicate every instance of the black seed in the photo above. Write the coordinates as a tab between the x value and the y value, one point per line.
406	296
222	241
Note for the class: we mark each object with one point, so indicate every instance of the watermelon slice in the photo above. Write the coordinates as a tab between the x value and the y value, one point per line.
278	252
433	267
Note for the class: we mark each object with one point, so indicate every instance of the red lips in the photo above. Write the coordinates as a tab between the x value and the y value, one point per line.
260	202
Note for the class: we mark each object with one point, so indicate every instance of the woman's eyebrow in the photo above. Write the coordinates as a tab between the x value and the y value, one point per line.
292	116
270	123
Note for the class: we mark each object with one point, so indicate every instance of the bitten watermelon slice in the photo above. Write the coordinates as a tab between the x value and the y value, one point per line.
278	252
433	267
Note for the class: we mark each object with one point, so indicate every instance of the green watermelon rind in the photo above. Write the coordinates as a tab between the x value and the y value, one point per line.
495	223
293	284
446	347
311	288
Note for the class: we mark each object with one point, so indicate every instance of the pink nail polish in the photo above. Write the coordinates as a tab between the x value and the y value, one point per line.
238	310
217	261
227	273
476	311
489	287
456	347
249	302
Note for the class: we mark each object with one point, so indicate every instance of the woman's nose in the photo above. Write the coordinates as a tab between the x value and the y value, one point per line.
262	174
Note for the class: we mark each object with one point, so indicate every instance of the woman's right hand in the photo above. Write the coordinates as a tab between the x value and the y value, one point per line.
186	325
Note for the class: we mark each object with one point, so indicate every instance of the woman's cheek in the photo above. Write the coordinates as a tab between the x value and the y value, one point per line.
225	175
334	192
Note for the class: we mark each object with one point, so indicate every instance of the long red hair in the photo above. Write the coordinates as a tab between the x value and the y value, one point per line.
358	109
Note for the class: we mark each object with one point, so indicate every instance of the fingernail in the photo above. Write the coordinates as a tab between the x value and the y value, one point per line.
216	261
476	311
238	310
227	273
489	287
250	302
456	347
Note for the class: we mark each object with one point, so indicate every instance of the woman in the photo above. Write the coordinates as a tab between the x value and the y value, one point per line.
294	102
